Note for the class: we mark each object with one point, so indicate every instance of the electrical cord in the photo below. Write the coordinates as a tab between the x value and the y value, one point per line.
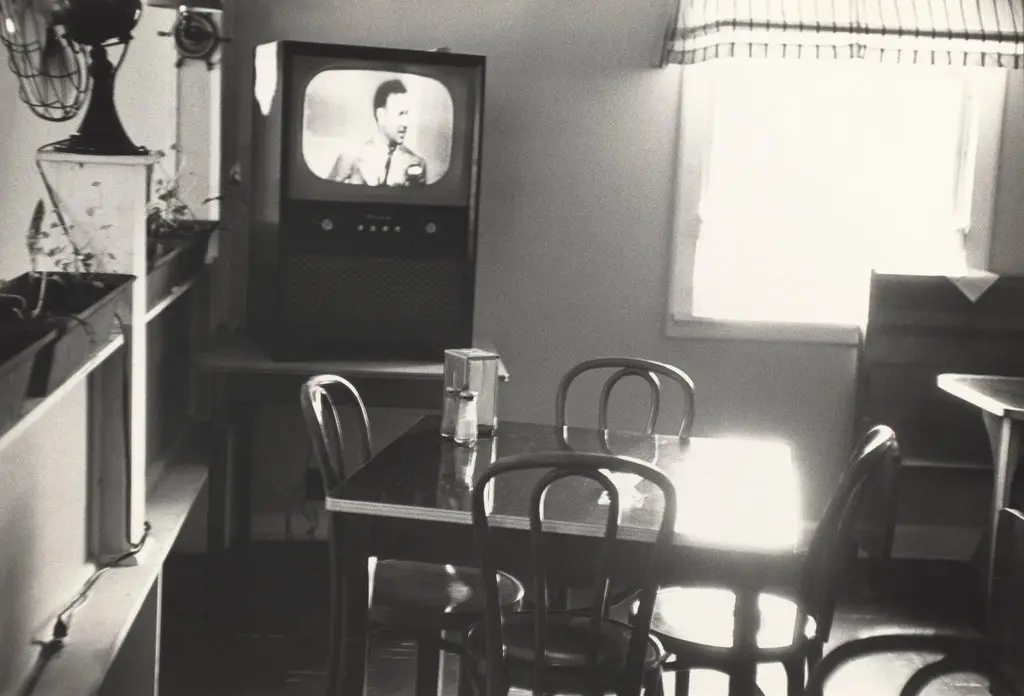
126	395
62	625
133	546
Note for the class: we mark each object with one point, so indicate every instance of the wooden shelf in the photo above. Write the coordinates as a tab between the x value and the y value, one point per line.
36	408
232	351
100	626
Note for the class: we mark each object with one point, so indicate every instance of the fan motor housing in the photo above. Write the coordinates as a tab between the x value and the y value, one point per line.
92	22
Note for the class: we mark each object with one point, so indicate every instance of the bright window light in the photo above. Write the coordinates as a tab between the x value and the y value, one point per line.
815	172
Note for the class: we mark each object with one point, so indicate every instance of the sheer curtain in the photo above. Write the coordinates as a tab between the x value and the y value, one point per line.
815	171
845	168
942	32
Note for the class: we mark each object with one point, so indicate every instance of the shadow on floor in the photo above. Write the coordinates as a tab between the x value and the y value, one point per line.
278	631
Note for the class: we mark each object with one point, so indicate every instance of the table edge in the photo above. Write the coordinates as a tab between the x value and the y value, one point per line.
950	382
358	507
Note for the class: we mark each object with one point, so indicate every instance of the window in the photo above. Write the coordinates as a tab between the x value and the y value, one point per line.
798	177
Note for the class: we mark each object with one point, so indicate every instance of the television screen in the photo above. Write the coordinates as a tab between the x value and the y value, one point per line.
377	128
382	131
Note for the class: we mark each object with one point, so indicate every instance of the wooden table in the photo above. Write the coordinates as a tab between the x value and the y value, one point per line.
244	378
1001	400
740	517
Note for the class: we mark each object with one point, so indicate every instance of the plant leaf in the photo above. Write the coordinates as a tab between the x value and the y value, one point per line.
36	224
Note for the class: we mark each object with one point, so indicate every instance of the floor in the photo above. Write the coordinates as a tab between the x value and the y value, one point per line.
279	632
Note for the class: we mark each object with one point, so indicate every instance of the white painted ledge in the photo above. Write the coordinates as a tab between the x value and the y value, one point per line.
175	293
101	624
717	330
141	160
37	408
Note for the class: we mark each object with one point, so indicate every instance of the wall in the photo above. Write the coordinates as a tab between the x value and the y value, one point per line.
43	560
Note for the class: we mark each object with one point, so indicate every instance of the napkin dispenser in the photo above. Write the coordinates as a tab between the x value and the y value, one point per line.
476	370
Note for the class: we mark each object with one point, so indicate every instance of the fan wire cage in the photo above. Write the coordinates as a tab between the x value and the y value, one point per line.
52	71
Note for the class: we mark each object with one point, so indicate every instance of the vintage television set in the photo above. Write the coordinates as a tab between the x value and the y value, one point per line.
364	197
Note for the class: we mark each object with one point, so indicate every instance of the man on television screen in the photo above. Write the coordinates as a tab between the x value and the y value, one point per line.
384	160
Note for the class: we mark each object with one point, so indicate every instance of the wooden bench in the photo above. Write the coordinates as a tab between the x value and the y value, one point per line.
919	327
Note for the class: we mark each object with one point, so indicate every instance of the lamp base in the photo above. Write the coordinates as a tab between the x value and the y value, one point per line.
100	132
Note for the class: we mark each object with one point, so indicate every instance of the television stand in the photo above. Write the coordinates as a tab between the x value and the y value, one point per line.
242	377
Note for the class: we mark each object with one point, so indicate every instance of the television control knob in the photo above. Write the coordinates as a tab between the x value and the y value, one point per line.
359	228
430	228
386	228
398	228
373	228
327	224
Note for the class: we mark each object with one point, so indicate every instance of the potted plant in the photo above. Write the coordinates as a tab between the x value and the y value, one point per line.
177	241
77	306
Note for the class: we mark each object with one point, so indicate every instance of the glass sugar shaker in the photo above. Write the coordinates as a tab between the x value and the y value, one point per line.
466	419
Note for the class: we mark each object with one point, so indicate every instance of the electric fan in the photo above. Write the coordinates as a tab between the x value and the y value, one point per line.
58	51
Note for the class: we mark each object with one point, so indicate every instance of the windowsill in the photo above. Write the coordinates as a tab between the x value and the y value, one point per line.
717	329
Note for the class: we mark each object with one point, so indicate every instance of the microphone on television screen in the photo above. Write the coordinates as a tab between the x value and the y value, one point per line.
415	175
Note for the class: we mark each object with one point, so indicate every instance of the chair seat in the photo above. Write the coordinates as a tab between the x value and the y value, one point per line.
565	651
702	618
429	595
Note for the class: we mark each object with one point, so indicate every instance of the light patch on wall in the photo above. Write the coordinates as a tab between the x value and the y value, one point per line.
266	76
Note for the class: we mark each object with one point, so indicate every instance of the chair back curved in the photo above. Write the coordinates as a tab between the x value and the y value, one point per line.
647	370
876	523
548	468
954	654
323	398
832	547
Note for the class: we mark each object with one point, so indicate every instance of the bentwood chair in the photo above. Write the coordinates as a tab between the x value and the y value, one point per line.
650	372
954	654
998	657
566	652
696	624
647	370
411	600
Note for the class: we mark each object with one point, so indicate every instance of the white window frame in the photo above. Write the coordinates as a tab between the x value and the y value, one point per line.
696	118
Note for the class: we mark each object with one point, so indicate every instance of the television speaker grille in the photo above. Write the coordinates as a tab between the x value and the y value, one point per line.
371	300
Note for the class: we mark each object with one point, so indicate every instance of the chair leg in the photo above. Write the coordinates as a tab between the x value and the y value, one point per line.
814	654
334	648
558	600
654	684
428	662
795	677
683	682
467	687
